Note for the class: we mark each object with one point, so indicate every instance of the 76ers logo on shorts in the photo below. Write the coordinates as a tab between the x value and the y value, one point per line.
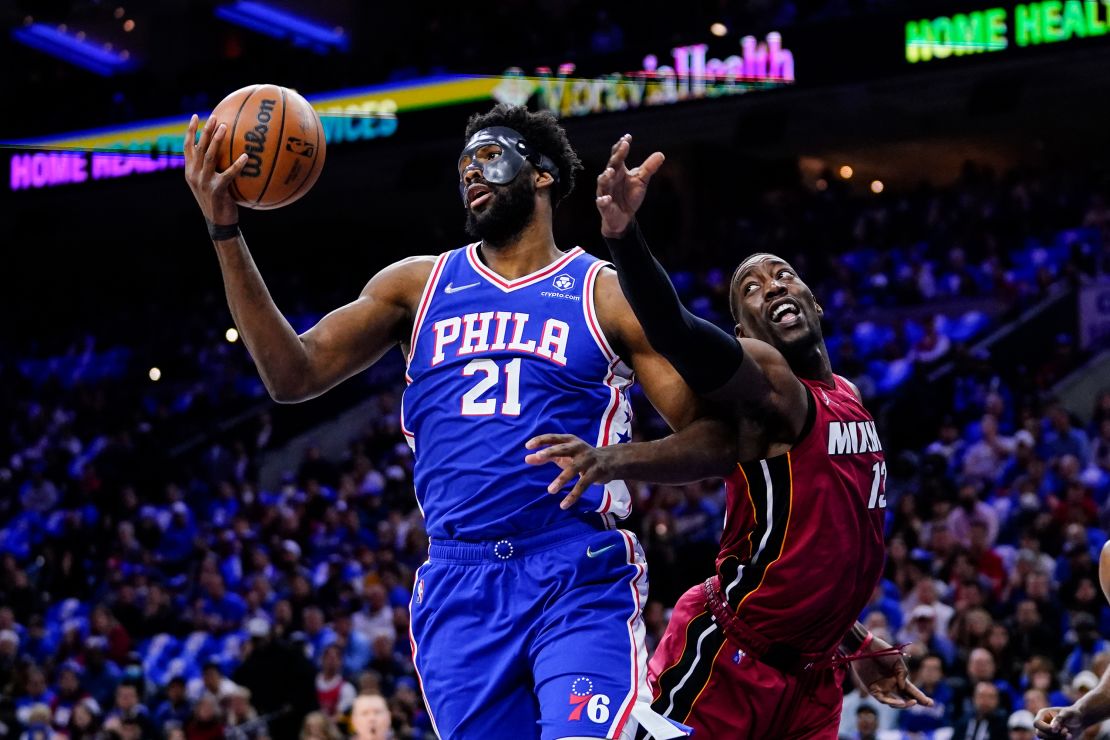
582	697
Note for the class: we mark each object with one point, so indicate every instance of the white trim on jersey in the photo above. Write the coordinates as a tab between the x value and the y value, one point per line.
637	634
766	534
618	378
425	302
412	642
508	286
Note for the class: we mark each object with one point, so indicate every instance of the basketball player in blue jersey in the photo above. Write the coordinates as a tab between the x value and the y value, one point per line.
526	618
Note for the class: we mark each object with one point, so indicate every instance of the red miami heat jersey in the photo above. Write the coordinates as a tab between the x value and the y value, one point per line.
803	547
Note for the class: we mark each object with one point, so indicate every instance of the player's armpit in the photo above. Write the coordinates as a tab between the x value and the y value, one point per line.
354	336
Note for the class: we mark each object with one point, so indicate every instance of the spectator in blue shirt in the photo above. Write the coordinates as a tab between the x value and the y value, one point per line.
225	611
175	708
929	677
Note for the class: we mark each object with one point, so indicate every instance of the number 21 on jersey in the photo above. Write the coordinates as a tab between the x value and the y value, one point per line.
491	378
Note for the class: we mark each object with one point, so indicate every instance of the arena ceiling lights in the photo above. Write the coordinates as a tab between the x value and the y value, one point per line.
77	50
281	24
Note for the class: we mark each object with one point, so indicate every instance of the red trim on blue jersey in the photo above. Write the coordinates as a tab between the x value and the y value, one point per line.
521	282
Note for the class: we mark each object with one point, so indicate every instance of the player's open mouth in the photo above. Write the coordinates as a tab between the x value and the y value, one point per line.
477	194
786	311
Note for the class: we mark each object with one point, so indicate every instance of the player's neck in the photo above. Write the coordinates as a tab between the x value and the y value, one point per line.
530	250
811	362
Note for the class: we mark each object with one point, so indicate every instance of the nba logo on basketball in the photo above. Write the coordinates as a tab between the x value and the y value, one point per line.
300	146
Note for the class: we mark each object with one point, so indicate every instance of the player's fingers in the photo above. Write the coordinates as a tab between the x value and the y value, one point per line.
917	694
584	482
236	167
547	454
620	152
190	138
540	440
562	480
891	700
650	166
206	135
213	149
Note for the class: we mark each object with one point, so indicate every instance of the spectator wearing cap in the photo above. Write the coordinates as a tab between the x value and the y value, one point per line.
211	681
176	706
923	636
1088	644
926	591
929	672
101	675
68	694
1020	725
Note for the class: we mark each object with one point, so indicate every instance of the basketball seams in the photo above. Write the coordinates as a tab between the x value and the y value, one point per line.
277	148
317	164
231	138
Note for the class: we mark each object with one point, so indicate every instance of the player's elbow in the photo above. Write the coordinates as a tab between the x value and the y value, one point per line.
287	391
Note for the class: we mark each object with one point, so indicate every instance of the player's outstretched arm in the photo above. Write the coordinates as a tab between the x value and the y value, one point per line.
749	375
704	449
296	367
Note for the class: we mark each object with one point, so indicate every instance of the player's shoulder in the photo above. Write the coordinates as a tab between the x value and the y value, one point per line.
852	387
402	281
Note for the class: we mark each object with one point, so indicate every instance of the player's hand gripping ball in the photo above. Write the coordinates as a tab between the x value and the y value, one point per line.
280	134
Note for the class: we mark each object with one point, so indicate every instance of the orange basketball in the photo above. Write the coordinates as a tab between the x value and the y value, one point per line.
283	139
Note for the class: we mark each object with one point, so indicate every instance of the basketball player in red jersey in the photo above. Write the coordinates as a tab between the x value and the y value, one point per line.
760	649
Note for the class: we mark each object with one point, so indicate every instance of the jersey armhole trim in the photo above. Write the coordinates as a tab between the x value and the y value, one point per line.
811	416
425	303
589	310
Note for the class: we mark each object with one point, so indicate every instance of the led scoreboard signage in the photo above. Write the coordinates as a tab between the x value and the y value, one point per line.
997	29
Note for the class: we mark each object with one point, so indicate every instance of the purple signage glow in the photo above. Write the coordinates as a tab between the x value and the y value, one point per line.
49	169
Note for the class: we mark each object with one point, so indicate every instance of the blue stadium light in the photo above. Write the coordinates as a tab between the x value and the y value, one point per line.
82	53
281	24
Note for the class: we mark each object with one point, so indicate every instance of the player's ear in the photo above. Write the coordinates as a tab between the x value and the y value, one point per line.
738	330
820	311
543	179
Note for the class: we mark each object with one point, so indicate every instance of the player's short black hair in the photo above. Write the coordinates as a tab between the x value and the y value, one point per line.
541	129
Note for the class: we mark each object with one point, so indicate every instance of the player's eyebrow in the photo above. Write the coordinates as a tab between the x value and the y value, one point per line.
741	276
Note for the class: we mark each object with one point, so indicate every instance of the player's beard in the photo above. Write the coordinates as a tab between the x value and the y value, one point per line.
510	211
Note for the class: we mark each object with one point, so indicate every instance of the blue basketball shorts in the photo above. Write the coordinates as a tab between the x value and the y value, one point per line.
538	636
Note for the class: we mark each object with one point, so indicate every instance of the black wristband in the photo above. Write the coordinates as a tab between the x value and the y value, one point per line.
220	232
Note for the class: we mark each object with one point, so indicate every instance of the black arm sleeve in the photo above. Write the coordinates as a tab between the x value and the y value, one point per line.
705	356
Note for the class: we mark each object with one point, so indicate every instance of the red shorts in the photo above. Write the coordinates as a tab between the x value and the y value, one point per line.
701	679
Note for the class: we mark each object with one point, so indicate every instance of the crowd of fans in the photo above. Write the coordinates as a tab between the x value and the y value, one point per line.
148	592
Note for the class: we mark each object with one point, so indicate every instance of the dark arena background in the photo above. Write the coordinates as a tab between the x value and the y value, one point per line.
182	557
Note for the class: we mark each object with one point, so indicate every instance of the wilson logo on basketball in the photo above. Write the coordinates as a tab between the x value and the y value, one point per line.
300	146
256	139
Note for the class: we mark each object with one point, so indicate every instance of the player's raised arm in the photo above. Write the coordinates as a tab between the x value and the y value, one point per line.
295	367
712	362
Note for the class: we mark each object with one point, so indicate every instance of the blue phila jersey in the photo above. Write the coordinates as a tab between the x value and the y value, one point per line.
492	363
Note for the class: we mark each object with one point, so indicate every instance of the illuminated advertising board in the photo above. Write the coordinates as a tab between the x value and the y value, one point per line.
151	146
692	74
998	29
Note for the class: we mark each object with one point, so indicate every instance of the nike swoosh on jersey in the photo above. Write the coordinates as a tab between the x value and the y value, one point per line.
594	553
452	289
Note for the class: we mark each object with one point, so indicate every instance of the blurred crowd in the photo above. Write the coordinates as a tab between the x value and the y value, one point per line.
150	586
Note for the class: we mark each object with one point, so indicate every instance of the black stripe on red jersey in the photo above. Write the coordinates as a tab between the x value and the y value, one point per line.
770	491
681	684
